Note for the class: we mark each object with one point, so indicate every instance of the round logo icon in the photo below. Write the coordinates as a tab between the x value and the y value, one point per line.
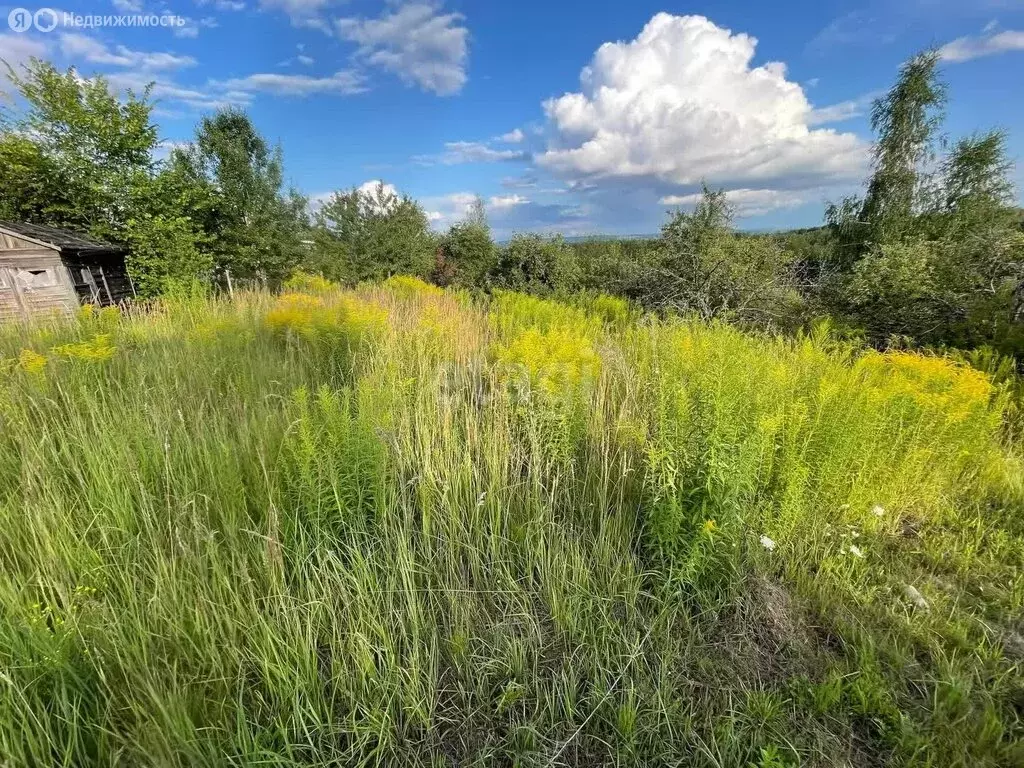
45	19
20	20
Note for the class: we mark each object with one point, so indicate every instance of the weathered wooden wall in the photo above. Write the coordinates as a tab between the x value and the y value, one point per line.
10	306
20	292
99	280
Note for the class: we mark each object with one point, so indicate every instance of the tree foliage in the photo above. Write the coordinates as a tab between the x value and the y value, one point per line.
467	252
934	252
537	264
368	235
707	270
82	157
906	120
256	227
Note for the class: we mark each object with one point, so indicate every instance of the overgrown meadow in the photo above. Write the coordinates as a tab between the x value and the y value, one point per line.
401	526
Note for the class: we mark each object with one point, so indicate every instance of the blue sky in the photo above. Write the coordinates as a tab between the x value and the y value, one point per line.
576	116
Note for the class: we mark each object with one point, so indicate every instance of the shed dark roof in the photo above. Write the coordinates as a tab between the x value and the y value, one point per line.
58	238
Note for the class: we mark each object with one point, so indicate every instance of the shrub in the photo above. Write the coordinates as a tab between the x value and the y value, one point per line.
303	282
408	286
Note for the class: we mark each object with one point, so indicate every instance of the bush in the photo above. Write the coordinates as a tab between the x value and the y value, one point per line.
537	265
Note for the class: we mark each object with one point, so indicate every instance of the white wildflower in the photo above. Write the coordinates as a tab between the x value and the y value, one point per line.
767	543
855	550
878	510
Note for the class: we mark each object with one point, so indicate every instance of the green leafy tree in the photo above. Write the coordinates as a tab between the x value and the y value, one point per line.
536	264
371	234
234	181
167	253
83	156
467	252
621	267
955	291
707	270
27	178
79	155
906	120
937	256
977	172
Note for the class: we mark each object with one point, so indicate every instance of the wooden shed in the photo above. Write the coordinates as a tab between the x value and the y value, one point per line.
44	270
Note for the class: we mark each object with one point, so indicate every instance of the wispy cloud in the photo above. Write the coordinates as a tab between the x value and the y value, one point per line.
223	5
501	202
459	152
748	202
89	49
165	90
345	82
417	42
844	110
989	43
302	13
16	49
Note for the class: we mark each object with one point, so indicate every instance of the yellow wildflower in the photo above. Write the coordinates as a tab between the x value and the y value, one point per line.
409	287
552	361
96	350
303	282
31	361
314	317
932	383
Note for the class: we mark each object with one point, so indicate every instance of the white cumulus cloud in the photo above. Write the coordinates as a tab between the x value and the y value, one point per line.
506	201
417	42
512	137
369	188
988	43
681	103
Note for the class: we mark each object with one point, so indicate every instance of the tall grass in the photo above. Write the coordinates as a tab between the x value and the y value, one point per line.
399	526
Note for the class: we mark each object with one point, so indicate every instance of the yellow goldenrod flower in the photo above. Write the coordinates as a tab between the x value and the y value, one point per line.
303	282
31	361
97	350
554	361
411	287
